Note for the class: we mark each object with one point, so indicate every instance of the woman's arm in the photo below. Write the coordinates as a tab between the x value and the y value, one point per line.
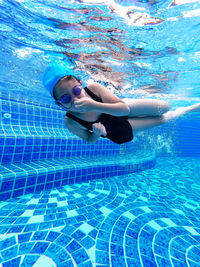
112	104
115	109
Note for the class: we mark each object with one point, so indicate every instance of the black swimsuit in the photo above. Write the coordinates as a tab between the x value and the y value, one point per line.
118	129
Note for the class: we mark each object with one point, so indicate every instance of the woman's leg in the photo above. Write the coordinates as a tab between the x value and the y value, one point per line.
139	124
146	107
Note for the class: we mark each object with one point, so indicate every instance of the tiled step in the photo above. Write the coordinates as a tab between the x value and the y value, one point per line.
19	148
24	178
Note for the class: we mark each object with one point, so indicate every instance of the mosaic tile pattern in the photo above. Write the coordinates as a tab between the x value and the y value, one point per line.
23	178
151	218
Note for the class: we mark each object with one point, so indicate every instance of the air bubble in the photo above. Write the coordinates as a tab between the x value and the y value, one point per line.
7	115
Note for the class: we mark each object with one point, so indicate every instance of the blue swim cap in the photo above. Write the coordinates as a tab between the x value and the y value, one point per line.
53	73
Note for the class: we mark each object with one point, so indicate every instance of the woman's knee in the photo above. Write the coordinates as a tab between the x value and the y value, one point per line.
163	107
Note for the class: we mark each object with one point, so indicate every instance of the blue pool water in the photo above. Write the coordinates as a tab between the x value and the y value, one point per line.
64	202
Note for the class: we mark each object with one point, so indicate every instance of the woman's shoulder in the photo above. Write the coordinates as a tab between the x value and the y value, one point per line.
101	91
93	86
96	88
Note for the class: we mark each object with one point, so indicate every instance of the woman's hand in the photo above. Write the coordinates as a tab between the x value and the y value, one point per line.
84	104
99	129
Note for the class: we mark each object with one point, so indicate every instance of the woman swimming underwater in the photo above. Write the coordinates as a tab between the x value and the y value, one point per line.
95	112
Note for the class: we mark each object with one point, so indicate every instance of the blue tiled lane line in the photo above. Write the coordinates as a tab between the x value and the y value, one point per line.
30	177
141	219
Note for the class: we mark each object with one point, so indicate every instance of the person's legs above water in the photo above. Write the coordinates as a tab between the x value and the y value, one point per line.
139	124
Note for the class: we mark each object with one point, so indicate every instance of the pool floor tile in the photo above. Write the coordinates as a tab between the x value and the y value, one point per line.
57	228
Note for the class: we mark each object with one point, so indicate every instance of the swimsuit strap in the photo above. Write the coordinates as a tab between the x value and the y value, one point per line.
86	124
92	95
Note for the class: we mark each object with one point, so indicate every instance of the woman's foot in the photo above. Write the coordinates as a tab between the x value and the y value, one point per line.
174	114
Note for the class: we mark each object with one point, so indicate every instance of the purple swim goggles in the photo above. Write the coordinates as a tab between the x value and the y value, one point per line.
66	98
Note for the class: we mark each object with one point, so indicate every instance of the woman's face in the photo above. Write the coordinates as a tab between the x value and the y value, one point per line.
64	87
